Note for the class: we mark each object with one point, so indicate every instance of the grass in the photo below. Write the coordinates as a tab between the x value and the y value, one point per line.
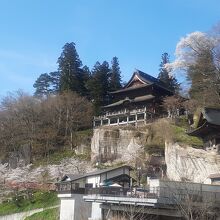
39	199
85	133
181	137
164	130
54	158
49	214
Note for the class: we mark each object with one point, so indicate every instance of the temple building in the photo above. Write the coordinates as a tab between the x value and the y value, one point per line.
207	127
139	101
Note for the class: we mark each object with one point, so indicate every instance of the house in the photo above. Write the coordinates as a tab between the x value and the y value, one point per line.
119	175
137	102
72	188
207	127
213	179
105	197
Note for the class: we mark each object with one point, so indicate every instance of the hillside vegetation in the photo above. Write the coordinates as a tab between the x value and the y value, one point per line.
21	201
49	214
172	131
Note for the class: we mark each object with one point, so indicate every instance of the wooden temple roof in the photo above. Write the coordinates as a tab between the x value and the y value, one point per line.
209	122
145	79
135	100
131	88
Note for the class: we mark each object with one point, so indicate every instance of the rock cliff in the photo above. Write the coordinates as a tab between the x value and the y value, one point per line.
110	143
187	163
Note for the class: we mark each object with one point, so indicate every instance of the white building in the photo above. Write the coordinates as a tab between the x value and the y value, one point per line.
72	188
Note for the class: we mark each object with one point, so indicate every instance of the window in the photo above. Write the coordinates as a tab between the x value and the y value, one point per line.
97	123
76	185
123	119
132	118
105	122
88	185
113	120
140	116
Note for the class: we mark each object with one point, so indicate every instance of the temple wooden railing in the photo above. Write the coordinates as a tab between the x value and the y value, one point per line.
120	112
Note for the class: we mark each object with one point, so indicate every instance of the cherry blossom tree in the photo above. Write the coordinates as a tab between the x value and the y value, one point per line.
198	57
190	47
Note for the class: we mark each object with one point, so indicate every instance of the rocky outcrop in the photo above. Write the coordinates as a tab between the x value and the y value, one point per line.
187	163
110	143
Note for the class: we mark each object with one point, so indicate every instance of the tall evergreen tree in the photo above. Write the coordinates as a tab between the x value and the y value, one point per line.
47	84
115	75
55	81
204	79
69	68
86	76
170	81
98	85
42	85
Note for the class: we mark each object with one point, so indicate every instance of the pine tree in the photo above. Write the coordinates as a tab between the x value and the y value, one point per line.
86	76
98	85
55	81
69	68
115	75
170	81
42	85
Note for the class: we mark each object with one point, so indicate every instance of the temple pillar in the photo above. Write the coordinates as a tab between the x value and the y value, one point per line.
136	119
118	121
145	117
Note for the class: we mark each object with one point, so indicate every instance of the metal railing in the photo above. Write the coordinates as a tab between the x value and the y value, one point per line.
123	192
164	194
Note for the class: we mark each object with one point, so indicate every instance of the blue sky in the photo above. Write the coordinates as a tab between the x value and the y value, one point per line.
33	33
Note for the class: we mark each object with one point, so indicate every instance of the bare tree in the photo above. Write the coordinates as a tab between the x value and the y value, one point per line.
77	113
190	199
131	212
44	124
173	105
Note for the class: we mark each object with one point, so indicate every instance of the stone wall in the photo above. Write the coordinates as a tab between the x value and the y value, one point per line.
187	163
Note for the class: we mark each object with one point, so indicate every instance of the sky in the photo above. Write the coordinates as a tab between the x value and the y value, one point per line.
33	33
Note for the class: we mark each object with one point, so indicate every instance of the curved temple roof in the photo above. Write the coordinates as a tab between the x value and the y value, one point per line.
147	79
136	99
209	121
